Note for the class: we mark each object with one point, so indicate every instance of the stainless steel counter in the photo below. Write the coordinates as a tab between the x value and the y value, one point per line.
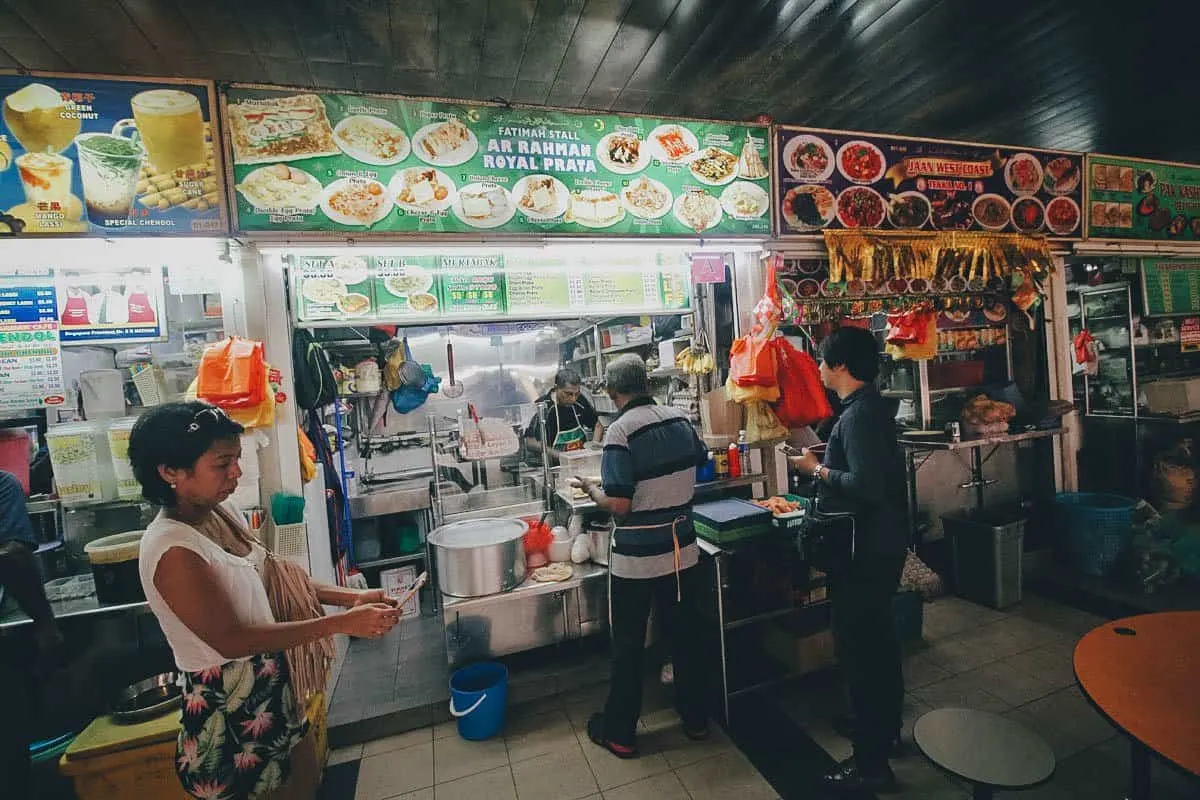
532	615
922	443
65	609
564	494
530	588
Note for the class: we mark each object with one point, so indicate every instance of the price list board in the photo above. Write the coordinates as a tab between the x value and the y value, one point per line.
1171	287
30	351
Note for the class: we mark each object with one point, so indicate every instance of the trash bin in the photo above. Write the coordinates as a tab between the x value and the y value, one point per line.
987	548
1097	530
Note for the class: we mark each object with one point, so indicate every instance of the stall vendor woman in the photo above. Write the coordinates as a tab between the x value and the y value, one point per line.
571	421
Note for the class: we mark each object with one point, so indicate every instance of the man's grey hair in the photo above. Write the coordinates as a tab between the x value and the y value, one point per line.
627	375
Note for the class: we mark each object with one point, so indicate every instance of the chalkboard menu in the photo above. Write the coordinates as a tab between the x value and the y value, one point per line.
1171	287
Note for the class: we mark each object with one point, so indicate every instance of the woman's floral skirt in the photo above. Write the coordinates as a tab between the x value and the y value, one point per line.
240	723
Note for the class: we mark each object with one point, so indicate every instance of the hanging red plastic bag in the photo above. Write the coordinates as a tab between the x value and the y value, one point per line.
233	374
909	327
802	398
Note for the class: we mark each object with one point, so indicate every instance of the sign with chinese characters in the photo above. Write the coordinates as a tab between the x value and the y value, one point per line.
833	179
353	288
307	161
108	157
31	372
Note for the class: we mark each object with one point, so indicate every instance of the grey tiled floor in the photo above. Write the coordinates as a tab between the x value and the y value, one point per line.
544	754
1015	663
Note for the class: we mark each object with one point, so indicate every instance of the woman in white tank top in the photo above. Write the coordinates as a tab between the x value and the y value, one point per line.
201	572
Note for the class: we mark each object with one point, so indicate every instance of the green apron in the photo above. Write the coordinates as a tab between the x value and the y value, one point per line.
571	439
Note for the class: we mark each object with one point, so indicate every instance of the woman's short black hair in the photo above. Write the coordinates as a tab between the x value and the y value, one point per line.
174	435
567	377
855	349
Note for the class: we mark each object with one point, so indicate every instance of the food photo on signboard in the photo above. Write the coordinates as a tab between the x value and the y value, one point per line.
84	155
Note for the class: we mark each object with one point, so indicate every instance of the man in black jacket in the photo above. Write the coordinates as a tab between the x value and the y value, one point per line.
861	474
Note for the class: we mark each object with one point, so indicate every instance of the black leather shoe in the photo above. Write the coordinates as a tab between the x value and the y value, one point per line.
847	779
844	726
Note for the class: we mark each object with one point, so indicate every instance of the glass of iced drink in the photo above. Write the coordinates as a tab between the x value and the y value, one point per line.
45	177
110	167
171	126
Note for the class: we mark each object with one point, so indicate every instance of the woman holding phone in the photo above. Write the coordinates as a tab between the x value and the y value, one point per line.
213	588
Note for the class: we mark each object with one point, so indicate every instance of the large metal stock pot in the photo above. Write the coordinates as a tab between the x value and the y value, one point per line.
479	557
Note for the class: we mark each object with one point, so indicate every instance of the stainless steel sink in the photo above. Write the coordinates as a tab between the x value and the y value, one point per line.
393	498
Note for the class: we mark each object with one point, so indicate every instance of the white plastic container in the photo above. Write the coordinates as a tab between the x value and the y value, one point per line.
75	457
119	430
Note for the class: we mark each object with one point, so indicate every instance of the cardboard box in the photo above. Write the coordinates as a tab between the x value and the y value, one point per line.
719	416
1172	395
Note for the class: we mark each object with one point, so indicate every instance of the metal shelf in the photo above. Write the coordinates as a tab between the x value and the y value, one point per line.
623	347
393	561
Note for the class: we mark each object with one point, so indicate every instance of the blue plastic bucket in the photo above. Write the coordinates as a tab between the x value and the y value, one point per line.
478	697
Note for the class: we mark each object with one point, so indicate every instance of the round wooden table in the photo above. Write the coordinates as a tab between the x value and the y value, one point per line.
1143	675
987	750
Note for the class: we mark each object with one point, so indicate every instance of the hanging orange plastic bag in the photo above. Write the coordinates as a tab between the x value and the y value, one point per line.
308	456
233	374
258	416
752	361
802	396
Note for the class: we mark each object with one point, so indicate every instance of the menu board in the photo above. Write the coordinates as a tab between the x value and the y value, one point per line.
830	179
1171	287
108	157
30	353
412	288
304	161
1130	198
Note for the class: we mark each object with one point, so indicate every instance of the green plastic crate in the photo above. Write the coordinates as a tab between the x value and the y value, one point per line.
730	535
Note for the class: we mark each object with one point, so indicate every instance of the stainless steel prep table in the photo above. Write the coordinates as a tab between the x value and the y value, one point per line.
533	615
913	445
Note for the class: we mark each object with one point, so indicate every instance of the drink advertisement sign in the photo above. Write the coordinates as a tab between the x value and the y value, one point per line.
92	156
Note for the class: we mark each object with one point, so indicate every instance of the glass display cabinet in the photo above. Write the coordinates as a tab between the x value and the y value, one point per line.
1106	312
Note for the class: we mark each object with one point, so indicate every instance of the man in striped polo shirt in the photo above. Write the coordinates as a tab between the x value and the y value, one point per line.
648	473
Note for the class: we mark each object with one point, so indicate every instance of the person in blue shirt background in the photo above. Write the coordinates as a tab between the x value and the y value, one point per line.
22	580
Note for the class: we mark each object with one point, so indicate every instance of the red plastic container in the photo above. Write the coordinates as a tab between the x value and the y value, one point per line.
14	455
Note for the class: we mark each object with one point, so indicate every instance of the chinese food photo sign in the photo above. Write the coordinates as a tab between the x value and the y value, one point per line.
828	179
108	157
1134	199
335	162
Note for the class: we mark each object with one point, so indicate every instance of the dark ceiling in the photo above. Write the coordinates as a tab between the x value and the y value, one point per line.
1102	76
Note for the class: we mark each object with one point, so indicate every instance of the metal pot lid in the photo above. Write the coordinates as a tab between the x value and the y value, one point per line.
478	533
